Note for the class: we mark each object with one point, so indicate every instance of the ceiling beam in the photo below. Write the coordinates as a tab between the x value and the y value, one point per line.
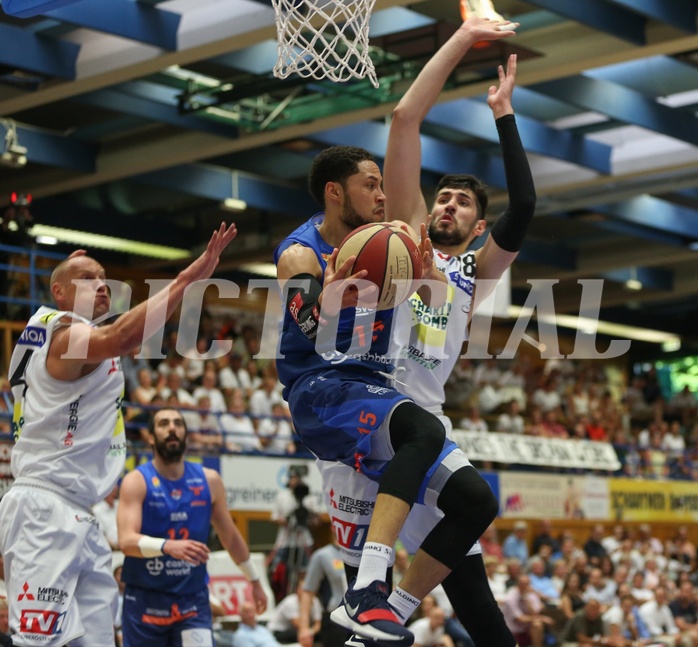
31	8
154	103
651	278
124	18
654	214
600	15
623	104
57	150
437	157
217	183
474	118
677	13
24	50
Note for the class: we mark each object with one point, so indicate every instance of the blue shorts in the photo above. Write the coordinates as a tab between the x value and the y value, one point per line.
339	416
165	619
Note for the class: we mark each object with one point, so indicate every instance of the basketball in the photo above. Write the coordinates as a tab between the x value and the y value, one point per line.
388	252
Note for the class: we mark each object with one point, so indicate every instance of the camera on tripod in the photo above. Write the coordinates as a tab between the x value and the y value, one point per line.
300	517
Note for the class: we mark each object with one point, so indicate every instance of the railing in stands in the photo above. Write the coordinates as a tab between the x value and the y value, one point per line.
34	270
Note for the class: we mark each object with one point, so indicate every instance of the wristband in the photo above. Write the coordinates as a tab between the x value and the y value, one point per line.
151	546
248	570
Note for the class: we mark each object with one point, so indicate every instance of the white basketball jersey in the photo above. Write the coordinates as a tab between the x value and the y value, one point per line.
69	434
426	352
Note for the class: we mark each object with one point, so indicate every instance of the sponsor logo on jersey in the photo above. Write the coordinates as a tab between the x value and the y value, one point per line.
91	520
176	494
155	566
461	282
40	621
118	449
49	594
196	489
25	595
178	516
155	481
333	503
361	507
349	535
32	336
377	390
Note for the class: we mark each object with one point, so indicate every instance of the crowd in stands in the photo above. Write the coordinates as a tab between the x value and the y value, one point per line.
234	403
618	588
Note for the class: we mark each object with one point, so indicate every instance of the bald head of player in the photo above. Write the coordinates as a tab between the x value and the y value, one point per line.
78	284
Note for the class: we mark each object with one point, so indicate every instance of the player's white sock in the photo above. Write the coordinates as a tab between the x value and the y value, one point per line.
375	560
403	603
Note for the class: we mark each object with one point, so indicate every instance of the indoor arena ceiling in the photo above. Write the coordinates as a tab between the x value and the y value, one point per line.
140	117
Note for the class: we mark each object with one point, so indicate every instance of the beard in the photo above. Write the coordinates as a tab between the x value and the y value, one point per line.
350	217
170	453
452	237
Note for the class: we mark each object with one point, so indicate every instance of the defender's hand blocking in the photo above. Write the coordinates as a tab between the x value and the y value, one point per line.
481	29
203	267
499	98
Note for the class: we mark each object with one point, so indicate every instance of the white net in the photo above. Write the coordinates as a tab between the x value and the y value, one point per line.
324	39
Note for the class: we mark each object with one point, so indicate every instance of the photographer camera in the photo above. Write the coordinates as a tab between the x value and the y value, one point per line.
295	512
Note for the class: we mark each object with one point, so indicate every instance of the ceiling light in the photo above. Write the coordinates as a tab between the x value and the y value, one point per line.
234	205
633	284
47	240
99	241
262	269
590	326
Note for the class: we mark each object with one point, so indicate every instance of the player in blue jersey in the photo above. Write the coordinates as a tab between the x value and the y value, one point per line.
165	512
342	400
457	218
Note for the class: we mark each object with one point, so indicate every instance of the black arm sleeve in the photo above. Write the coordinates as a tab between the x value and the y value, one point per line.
509	230
302	303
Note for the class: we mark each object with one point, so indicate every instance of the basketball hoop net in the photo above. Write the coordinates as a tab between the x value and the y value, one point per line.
324	39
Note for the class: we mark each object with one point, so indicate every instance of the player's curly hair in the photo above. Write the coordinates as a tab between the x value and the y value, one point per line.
335	164
462	181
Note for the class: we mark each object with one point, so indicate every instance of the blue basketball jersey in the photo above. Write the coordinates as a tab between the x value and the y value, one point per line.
178	509
363	335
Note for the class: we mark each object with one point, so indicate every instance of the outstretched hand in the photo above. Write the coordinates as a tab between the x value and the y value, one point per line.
203	267
480	29
435	292
499	98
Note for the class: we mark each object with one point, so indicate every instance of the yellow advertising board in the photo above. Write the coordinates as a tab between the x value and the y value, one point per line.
637	500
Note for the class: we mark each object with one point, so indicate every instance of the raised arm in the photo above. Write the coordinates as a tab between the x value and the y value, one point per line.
508	231
402	169
77	348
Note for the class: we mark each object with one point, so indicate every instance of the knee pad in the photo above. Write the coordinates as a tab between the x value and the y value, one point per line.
467	496
417	437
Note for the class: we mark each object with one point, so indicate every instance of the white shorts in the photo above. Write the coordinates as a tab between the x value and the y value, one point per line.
60	585
350	497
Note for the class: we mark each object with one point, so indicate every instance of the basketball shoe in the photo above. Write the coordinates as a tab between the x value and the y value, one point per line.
367	613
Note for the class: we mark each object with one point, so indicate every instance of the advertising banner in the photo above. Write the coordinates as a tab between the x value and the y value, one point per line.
551	496
532	450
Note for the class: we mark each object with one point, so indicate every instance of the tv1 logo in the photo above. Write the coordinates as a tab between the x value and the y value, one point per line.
349	535
232	591
47	623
